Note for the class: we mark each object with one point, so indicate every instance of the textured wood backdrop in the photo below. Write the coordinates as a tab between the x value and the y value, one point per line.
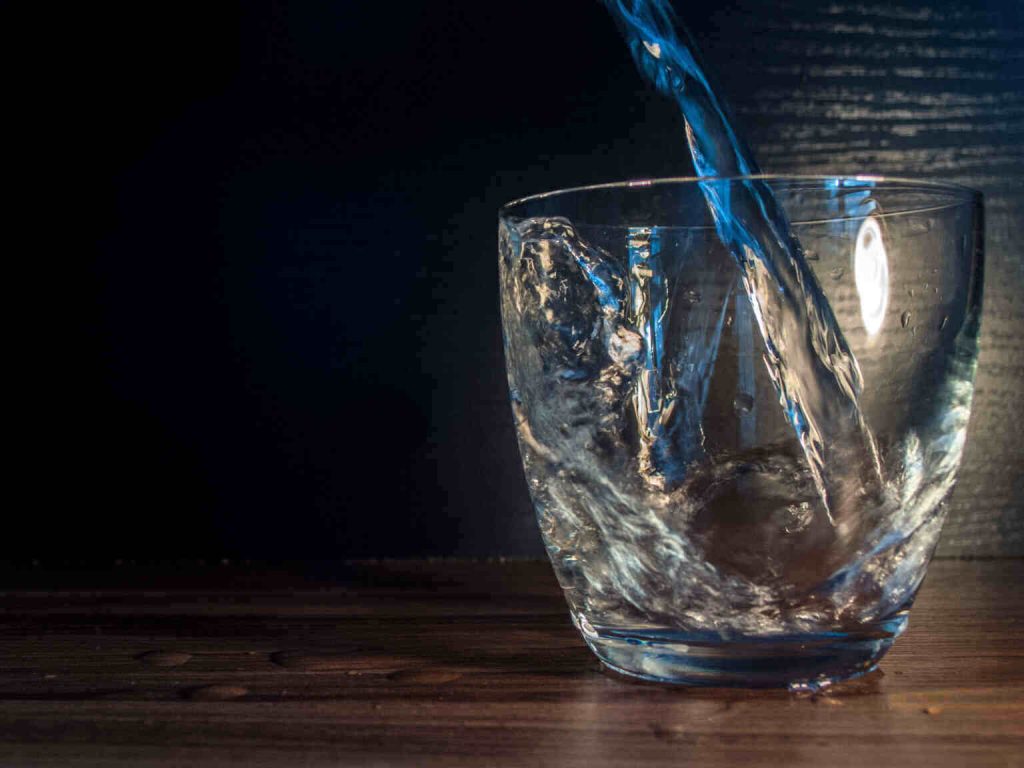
245	391
934	90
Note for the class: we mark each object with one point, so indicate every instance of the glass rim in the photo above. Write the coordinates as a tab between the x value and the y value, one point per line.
962	193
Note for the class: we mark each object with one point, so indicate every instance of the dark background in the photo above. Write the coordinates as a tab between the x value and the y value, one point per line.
260	311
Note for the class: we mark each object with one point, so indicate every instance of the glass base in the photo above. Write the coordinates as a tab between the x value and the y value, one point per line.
800	662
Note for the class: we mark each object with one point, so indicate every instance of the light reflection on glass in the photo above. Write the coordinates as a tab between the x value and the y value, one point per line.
871	272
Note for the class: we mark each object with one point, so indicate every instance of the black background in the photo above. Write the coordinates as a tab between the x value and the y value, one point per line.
260	315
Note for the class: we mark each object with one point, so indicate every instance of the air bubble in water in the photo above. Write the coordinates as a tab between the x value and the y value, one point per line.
743	403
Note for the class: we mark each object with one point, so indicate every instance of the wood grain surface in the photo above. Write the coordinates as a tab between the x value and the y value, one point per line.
460	663
925	89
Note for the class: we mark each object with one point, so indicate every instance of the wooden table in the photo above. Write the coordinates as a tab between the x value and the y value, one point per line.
458	663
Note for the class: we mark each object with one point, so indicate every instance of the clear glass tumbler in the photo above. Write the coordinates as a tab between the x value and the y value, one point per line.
673	488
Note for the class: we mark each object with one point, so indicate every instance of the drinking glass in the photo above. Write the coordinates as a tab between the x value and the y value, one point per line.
669	474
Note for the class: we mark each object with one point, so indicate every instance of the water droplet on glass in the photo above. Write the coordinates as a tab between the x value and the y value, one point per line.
837	273
905	319
692	296
728	321
910	292
945	319
743	403
812	256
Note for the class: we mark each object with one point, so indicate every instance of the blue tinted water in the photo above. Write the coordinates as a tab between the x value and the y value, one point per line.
815	372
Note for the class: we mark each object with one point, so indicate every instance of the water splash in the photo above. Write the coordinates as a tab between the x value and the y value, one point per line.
811	365
735	544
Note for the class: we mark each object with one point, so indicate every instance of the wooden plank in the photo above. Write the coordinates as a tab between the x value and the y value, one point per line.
462	663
